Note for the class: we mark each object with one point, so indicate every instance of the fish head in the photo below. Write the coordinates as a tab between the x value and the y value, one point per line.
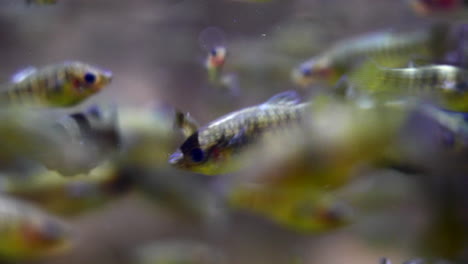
428	7
205	159
45	234
34	236
316	214
216	58
87	79
312	72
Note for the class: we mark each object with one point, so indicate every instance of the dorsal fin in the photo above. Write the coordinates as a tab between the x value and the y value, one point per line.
284	98
186	123
23	74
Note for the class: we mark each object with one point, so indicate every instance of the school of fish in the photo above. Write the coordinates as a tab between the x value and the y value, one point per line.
378	93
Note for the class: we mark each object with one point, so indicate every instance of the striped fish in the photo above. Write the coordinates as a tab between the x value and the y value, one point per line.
445	85
60	85
209	150
389	48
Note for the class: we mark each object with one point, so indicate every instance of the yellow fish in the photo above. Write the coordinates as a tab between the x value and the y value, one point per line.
28	233
444	85
315	211
60	85
389	48
66	196
41	2
295	174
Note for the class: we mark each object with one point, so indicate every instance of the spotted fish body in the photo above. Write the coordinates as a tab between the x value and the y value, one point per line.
390	49
59	85
210	149
444	84
26	232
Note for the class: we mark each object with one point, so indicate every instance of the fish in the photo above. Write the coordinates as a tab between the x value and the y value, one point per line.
433	7
41	2
214	63
444	85
315	211
146	135
29	233
210	149
67	196
85	139
391	49
452	128
297	174
60	85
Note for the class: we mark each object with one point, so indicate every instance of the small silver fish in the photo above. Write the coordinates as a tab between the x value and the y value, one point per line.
210	149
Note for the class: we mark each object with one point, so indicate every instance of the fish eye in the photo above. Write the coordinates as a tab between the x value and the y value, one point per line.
89	78
213	52
306	72
197	155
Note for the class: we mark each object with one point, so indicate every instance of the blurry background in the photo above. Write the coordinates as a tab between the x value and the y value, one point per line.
154	49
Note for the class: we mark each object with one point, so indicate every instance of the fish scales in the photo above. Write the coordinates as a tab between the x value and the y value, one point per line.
210	149
58	85
249	121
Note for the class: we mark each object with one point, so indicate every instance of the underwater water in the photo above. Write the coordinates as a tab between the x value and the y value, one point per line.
162	59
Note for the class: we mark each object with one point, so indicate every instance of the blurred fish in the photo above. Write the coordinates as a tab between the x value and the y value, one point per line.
453	128
432	140
213	40
315	212
177	252
93	136
296	173
388	48
41	2
67	196
24	135
444	85
137	136
28	233
431	7
211	149
60	85
214	63
146	136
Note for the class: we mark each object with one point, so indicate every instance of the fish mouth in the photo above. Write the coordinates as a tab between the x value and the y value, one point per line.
107	75
300	78
419	7
176	158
